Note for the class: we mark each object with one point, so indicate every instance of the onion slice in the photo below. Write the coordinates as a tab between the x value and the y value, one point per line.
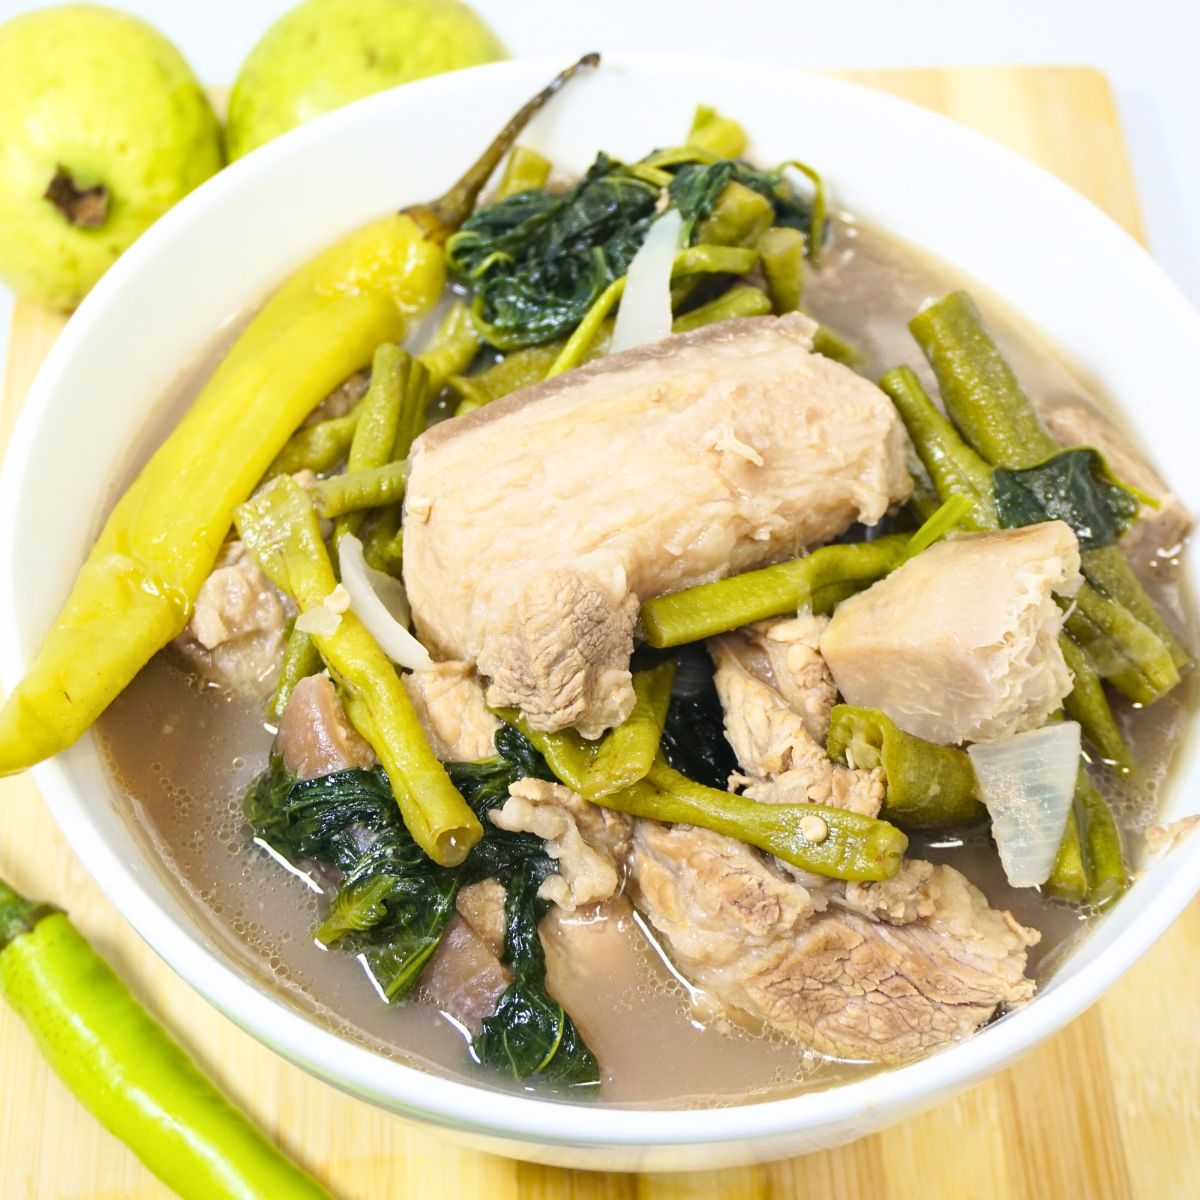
645	312
1027	783
381	604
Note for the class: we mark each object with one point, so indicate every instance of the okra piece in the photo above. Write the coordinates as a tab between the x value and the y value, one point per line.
1068	878
827	841
783	250
1108	873
1088	705
928	786
625	754
524	170
300	660
711	608
279	528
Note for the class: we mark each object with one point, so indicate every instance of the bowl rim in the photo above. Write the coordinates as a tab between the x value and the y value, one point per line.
468	1106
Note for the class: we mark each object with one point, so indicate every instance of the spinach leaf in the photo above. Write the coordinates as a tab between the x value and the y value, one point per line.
394	902
530	1033
1074	486
536	262
693	739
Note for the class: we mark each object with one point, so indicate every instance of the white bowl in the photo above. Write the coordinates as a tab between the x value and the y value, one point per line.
1005	222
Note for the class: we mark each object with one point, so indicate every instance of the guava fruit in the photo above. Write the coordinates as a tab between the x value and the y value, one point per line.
103	127
324	53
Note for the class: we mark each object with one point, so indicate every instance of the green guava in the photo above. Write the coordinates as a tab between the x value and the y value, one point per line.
324	53
102	128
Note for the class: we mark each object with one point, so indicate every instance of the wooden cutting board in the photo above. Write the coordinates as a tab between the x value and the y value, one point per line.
1108	1108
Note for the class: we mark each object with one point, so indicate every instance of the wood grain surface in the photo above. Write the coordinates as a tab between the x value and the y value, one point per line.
1109	1108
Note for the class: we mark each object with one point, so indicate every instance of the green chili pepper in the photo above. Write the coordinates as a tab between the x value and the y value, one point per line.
127	1070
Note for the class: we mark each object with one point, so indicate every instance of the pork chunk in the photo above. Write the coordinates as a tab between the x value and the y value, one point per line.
588	842
235	634
961	643
882	975
1156	531
771	739
536	525
315	736
464	977
452	711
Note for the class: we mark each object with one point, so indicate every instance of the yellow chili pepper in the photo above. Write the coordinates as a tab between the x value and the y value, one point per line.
136	589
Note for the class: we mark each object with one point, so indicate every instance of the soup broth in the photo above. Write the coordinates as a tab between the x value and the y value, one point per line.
182	754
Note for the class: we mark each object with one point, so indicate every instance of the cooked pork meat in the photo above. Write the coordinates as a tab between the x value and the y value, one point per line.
961	643
481	905
880	972
235	635
771	739
535	525
464	977
315	736
450	704
588	842
1157	530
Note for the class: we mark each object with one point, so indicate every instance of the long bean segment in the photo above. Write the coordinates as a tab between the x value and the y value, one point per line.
300	659
954	468
127	1070
452	348
739	301
626	754
980	390
317	447
379	418
712	608
279	527
359	490
828	841
928	786
566	752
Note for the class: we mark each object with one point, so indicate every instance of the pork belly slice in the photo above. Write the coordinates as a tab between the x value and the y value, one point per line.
960	644
535	526
881	972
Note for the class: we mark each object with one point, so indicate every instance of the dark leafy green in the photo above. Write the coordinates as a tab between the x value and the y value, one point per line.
530	1033
537	261
693	739
394	903
1073	486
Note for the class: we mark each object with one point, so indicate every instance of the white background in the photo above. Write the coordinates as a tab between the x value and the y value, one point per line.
1150	50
